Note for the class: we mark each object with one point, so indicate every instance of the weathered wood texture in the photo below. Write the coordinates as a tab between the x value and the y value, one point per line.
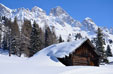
84	55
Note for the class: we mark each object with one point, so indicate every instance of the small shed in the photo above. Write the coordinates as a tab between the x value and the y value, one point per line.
79	52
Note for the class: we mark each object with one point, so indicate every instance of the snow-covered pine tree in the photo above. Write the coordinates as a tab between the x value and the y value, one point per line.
15	38
78	36
54	37
69	38
6	30
60	39
4	43
35	40
25	38
42	38
100	45
0	35
110	41
108	51
48	36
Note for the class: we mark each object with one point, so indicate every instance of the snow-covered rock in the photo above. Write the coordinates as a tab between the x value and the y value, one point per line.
89	24
5	11
62	17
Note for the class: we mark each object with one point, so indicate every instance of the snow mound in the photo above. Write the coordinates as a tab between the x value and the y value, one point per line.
42	64
62	49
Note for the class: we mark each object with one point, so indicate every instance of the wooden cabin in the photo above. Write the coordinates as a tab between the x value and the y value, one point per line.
85	54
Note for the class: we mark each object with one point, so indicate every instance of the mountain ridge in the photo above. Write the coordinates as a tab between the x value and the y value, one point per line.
64	24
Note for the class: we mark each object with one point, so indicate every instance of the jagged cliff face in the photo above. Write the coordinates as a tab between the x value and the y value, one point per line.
61	16
58	18
88	24
4	11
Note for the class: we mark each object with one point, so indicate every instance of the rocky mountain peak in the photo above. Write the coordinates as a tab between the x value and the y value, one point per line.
37	10
88	18
61	16
3	7
57	11
89	24
21	9
4	11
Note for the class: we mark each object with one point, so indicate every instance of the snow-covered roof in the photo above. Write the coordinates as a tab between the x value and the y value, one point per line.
63	49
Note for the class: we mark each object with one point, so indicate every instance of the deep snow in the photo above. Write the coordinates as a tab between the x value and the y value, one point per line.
63	49
43	64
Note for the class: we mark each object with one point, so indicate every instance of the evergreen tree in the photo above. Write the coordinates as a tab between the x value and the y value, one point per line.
15	38
54	37
78	36
5	43
6	34
100	41
42	38
35	41
110	41
48	37
100	45
108	51
0	34
69	38
25	38
60	39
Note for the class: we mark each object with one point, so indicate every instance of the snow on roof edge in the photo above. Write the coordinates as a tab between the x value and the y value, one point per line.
74	47
63	49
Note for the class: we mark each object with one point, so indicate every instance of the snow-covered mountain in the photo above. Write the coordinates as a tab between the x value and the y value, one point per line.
5	11
88	24
61	16
63	25
58	18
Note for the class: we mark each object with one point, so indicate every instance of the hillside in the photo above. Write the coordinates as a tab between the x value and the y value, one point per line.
46	65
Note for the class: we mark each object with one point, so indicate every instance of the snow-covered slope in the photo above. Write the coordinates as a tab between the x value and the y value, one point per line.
58	19
88	24
62	17
44	64
62	49
5	11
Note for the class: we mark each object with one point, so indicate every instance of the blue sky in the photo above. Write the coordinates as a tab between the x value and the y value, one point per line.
101	11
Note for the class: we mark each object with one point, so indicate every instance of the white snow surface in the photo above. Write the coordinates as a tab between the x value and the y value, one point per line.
110	59
45	61
43	64
62	49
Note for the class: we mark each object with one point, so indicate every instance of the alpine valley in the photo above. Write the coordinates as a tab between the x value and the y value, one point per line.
45	43
63	24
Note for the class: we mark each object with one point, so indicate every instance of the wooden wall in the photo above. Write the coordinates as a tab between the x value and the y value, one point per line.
84	55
